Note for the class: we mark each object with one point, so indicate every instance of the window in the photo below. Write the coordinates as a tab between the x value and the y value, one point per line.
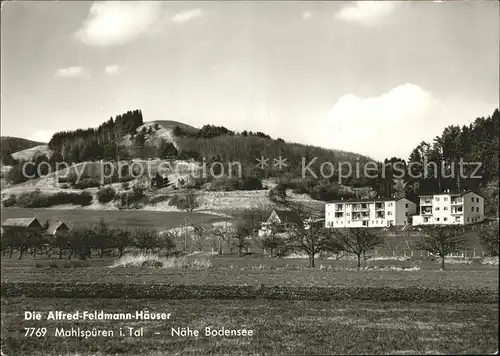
406	205
406	214
468	219
389	204
445	198
445	208
457	218
477	210
472	199
445	219
437	219
426	219
477	200
437	198
436	208
348	214
389	213
472	209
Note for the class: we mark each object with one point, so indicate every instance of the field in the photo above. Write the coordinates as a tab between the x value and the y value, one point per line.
280	327
390	306
117	218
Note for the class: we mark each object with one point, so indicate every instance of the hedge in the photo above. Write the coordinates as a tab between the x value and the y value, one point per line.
165	291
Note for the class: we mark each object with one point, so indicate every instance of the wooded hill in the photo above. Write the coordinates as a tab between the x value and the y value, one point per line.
477	142
9	145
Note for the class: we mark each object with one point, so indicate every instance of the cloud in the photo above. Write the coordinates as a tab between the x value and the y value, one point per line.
112	23
390	124
366	12
187	15
42	135
307	15
71	72
112	69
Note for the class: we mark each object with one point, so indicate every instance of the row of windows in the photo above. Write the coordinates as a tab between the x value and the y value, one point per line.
446	199
365	223
364	205
446	208
457	219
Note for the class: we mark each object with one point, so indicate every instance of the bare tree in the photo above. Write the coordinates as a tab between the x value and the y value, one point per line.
222	234
311	236
146	239
441	240
489	237
121	239
199	233
167	241
275	241
190	201
240	235
358	241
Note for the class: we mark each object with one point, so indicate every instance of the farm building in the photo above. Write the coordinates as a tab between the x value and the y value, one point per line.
283	219
56	229
22	225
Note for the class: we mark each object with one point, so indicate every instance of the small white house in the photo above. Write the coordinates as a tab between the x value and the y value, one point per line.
282	219
450	209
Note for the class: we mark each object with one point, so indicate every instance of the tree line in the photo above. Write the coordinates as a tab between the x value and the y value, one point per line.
476	142
308	236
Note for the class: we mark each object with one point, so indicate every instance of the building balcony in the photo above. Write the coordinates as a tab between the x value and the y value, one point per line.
457	202
426	202
456	212
361	218
426	212
361	209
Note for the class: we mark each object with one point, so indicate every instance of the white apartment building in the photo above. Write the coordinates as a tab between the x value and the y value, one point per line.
369	213
454	209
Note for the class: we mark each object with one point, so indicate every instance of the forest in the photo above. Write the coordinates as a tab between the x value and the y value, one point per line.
436	169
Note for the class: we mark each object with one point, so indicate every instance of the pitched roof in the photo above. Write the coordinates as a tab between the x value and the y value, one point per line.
21	222
288	216
55	226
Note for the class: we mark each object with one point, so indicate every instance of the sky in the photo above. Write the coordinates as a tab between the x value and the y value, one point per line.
374	78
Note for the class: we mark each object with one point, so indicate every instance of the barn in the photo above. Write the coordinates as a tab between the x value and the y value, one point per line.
57	229
22	225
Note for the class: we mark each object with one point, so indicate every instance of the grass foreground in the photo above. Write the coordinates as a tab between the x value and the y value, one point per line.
280	328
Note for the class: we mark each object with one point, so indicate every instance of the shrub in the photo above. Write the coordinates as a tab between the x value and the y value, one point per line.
87	183
131	199
224	184
10	201
252	183
106	194
186	201
154	261
33	199
38	200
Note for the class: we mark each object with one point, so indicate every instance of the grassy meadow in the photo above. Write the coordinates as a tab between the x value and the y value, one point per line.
280	327
392	305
